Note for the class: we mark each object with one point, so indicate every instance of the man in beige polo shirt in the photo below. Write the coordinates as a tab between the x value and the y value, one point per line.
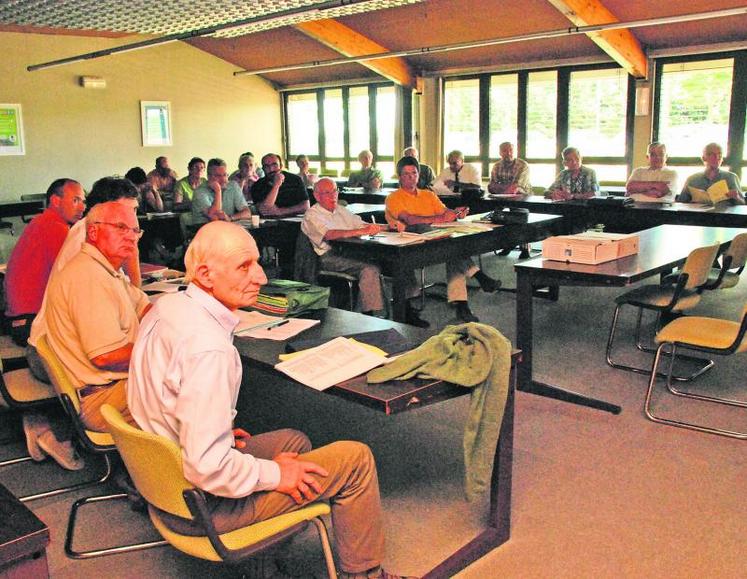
93	312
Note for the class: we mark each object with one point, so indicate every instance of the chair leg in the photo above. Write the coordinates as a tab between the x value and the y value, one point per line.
93	553
326	548
677	423
51	493
18	460
707	364
351	299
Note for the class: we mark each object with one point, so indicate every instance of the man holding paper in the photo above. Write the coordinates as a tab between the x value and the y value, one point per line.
327	221
712	185
185	376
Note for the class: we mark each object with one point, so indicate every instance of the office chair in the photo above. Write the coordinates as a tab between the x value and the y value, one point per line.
95	442
155	464
667	300
711	335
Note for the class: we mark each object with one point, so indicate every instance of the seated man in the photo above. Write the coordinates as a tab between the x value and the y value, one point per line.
93	312
326	221
457	173
510	175
426	179
308	178
713	156
368	177
279	192
26	279
218	199
32	258
409	205
150	199
163	180
184	382
657	182
576	181
246	175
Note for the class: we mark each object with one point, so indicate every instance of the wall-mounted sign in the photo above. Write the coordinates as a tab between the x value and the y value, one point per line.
11	130
155	119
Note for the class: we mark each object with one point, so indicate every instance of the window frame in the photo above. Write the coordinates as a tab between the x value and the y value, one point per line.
734	155
562	104
350	158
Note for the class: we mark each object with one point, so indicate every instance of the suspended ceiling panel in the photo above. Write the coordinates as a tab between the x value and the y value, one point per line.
161	17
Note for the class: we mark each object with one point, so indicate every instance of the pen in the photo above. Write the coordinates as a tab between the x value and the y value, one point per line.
278	324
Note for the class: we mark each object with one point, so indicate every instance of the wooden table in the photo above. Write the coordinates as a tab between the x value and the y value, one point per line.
661	249
400	261
400	396
23	540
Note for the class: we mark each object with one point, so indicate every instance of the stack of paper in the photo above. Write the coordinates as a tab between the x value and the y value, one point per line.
262	327
331	363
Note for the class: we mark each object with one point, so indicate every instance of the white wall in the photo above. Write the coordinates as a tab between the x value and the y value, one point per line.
86	134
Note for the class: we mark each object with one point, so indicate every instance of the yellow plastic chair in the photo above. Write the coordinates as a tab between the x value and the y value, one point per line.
95	442
155	464
673	299
21	391
711	335
732	265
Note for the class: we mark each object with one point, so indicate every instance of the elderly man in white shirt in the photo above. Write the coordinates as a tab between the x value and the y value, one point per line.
327	221
655	183
456	174
185	375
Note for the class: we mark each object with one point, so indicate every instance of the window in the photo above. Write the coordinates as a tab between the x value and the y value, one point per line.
597	112
332	126
504	96
462	116
540	112
694	105
699	100
303	128
542	98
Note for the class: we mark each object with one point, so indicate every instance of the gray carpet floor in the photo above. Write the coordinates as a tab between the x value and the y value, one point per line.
594	495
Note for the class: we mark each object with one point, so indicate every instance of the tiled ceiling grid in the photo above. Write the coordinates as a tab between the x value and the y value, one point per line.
171	16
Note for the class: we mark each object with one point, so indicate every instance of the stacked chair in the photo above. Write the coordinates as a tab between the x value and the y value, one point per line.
667	300
710	335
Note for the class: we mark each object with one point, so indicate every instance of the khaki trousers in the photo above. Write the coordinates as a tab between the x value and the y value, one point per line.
457	273
352	488
90	406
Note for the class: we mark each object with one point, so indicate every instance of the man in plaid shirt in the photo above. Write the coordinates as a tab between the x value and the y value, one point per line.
510	175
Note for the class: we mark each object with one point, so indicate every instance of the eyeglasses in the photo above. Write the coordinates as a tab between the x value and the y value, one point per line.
123	228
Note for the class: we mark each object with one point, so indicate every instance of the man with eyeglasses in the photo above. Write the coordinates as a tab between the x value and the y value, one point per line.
279	192
93	312
219	199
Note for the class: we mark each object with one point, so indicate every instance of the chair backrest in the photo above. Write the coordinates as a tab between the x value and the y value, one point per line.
698	265
56	372
305	260
154	463
738	251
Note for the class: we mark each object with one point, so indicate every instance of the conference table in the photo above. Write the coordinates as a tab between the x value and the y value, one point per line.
661	249
400	261
23	540
635	217
396	397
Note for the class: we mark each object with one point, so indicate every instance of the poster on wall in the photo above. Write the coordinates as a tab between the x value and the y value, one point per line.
11	130
155	120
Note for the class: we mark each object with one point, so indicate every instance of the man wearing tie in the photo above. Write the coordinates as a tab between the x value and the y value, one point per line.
451	178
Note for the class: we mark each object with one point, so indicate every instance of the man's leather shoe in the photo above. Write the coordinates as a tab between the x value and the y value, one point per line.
412	318
464	313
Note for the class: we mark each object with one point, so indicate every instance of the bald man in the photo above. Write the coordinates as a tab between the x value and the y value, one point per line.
93	312
184	383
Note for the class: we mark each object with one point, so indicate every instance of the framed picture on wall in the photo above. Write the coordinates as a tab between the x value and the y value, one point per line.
155	121
11	130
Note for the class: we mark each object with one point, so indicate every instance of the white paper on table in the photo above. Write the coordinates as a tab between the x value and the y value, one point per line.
167	287
254	325
331	363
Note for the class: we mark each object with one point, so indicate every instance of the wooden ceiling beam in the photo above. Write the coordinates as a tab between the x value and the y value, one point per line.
621	45
347	41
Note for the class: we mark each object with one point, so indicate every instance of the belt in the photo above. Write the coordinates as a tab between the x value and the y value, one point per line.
93	388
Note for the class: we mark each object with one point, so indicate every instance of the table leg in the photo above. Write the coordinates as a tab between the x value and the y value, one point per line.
399	286
498	530
524	337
